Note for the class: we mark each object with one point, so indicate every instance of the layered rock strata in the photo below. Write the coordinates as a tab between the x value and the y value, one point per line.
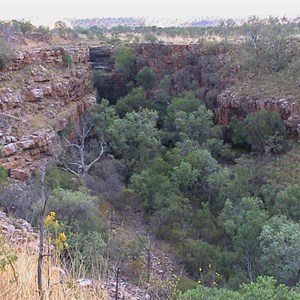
39	95
229	105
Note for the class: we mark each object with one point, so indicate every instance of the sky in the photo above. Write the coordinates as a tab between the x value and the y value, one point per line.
47	12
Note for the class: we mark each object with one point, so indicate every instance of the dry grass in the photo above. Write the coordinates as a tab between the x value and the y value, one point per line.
285	169
55	287
38	121
278	85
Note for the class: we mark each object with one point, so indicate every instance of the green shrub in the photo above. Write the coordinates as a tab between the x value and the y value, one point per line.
150	38
6	53
67	60
58	178
145	78
85	251
185	284
135	100
124	60
264	288
3	176
261	131
77	209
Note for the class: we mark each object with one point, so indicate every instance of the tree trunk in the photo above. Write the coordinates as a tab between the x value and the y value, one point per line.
41	241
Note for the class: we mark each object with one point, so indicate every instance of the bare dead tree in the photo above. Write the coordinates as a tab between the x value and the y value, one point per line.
148	247
41	241
78	161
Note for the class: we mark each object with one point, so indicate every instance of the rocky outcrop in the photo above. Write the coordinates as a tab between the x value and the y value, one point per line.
39	98
180	65
229	105
101	58
18	232
48	56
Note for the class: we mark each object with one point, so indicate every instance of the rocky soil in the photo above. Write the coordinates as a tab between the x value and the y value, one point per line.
39	96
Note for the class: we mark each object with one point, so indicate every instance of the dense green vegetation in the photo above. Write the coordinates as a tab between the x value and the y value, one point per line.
175	160
206	190
220	214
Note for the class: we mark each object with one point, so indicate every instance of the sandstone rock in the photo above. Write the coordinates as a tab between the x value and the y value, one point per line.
7	228
2	215
42	137
24	225
10	139
35	152
10	99
20	174
26	143
47	90
230	105
84	282
19	55
9	149
11	163
43	77
33	95
57	93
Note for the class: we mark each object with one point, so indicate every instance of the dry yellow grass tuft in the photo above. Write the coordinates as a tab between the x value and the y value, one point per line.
57	284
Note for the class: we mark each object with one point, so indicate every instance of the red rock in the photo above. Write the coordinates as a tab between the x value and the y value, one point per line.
33	95
20	174
9	149
26	144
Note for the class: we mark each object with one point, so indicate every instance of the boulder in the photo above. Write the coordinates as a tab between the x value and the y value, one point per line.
8	228
10	139
26	143
9	99
9	149
43	77
2	215
84	282
20	174
33	95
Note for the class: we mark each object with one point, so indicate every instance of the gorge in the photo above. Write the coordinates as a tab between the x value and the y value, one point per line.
40	95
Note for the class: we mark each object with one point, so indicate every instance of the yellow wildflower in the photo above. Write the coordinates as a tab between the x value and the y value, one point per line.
62	236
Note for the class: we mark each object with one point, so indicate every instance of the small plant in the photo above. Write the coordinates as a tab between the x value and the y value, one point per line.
3	175
7	259
164	289
52	231
145	78
6	53
67	60
150	38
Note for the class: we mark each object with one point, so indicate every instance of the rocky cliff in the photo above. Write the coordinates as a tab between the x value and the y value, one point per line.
229	104
39	95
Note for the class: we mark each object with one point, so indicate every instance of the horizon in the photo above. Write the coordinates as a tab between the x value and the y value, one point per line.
44	12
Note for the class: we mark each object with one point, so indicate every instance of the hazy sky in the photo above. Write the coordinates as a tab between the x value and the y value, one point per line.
49	11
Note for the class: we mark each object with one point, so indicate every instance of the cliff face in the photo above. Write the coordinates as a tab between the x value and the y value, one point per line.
184	67
193	63
229	105
39	96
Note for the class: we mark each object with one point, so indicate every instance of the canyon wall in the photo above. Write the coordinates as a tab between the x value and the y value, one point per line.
39	95
230	104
